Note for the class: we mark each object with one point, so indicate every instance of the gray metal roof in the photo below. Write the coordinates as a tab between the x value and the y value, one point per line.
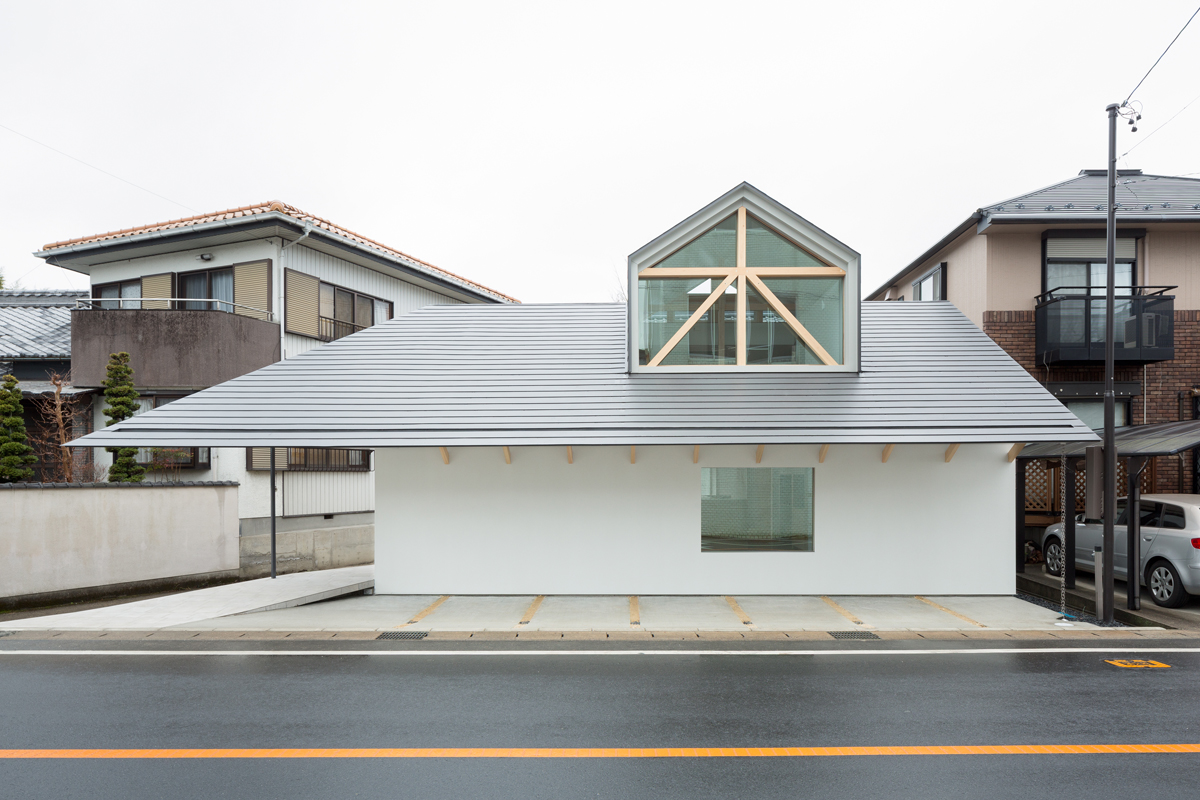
555	374
1141	199
36	329
1163	439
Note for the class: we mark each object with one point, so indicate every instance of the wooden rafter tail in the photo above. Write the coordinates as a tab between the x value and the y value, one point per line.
696	454
759	454
887	452
687	326
824	452
741	289
507	455
633	454
445	455
950	451
570	455
1015	451
792	322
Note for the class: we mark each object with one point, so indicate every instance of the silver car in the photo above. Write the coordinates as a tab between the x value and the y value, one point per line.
1170	546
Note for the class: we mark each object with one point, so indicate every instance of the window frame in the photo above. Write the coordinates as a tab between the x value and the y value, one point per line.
746	279
1136	235
310	463
941	284
210	303
773	474
195	461
122	304
335	325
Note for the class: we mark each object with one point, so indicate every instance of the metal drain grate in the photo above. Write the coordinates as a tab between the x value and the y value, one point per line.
852	634
403	635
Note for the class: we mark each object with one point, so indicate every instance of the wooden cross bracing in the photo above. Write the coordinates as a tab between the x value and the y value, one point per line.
745	276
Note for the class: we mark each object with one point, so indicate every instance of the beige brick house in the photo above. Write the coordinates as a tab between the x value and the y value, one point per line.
1030	271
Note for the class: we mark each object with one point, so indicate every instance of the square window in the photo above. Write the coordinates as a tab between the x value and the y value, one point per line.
756	509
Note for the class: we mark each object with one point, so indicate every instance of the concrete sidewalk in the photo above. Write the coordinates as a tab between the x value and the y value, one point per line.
567	613
263	595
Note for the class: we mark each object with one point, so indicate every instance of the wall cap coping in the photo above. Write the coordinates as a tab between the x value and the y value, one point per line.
150	484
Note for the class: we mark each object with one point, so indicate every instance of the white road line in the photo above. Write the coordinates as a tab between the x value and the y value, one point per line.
488	653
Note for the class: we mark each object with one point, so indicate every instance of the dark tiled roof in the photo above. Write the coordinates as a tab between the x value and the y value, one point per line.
281	208
35	331
1150	197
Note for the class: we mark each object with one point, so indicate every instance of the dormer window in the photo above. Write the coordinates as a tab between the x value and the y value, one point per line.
741	293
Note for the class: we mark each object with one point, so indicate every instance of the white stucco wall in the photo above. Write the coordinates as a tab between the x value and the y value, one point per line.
72	538
915	525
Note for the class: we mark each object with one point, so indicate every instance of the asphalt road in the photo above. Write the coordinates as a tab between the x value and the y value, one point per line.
559	700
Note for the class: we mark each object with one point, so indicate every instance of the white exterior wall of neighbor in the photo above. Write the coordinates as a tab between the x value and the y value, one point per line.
915	525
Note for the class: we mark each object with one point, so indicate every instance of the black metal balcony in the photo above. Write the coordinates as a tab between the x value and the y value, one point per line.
1070	325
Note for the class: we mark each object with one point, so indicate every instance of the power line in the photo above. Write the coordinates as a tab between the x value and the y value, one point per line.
1164	52
1160	127
93	166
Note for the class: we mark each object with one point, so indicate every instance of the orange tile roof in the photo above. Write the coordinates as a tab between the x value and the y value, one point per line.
282	208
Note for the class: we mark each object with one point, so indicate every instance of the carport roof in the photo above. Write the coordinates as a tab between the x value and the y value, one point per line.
476	375
1163	439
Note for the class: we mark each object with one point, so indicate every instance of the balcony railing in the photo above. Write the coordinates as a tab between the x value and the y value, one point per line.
168	303
335	329
1070	325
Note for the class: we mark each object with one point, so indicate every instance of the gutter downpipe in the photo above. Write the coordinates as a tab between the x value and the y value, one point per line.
1110	443
308	227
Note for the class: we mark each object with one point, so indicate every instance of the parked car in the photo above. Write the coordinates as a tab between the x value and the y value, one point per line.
1170	546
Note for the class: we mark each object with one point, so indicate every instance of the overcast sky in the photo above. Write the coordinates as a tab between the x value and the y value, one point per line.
533	146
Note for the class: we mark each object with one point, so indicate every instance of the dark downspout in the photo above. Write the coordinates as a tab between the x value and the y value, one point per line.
1020	521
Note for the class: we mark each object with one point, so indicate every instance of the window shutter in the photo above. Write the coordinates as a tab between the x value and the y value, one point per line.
252	287
162	285
1089	249
259	458
300	314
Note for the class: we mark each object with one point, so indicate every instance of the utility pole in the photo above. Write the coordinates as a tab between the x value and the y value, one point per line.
1110	445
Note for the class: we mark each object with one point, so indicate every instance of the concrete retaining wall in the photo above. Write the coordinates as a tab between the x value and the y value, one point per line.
60	539
307	543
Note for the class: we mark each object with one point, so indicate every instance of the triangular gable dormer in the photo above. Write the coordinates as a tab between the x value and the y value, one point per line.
744	284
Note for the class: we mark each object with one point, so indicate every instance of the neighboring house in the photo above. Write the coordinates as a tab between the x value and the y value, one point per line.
1031	272
202	300
743	425
35	346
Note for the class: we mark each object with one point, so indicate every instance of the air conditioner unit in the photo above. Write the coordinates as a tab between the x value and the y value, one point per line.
1151	327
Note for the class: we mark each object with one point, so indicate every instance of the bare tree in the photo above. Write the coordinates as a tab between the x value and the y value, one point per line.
60	416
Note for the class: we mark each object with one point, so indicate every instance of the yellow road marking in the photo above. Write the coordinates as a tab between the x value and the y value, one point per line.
635	612
426	611
533	609
613	752
951	612
844	612
737	609
1133	663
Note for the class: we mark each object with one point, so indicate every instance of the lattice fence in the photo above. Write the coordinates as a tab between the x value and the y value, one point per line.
1043	486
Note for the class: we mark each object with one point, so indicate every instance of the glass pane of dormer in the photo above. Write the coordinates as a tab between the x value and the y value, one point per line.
766	248
715	248
667	303
817	305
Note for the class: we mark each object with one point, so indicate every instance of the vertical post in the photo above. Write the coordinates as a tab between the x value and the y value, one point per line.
1069	531
1133	526
272	511
1110	445
1020	515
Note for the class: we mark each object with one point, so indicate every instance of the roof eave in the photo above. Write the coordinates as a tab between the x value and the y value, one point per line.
1042	219
257	220
942	243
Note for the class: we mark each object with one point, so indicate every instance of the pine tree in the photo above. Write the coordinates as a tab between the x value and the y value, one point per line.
121	398
15	453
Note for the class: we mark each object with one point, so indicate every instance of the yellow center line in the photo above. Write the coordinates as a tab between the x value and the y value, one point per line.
951	612
533	609
426	611
844	612
609	752
737	609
